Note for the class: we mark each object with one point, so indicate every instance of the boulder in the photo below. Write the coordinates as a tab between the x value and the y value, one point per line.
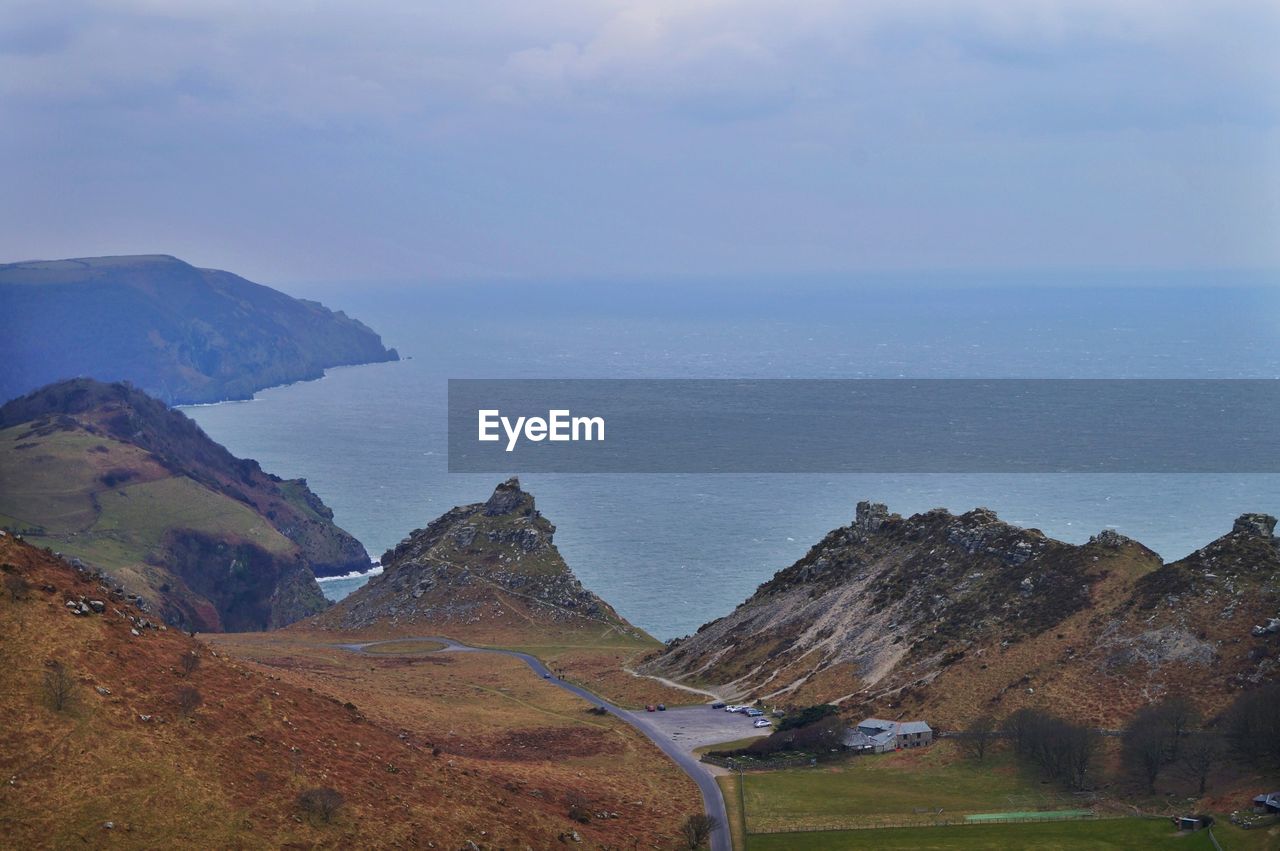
1259	525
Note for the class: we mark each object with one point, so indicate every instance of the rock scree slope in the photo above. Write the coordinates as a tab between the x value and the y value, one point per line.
955	615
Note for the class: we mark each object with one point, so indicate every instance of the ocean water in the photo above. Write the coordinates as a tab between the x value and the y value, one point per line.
673	551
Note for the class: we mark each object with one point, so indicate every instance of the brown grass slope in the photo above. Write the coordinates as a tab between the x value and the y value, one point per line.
951	616
428	752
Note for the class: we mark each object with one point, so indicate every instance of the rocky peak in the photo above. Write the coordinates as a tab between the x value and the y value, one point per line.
1255	525
870	516
508	498
1111	539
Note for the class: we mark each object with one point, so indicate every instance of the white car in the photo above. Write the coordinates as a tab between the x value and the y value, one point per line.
734	708
753	712
763	722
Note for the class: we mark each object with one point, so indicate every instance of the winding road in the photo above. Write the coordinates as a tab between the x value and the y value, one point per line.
712	799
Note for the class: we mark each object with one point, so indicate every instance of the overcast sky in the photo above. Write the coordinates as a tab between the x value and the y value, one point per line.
420	139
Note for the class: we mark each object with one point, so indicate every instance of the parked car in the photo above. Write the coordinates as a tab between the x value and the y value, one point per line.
650	708
662	707
763	722
546	676
734	708
719	704
754	713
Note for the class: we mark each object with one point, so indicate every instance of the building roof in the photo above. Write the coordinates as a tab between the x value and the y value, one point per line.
1272	798
914	727
877	724
854	738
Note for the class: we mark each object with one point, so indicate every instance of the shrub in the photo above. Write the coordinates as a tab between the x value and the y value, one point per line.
321	802
806	716
697	829
189	662
189	700
579	812
16	586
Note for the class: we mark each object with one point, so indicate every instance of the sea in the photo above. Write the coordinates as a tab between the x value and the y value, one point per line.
672	552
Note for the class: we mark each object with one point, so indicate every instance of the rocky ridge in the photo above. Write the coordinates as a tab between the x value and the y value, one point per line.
964	612
489	567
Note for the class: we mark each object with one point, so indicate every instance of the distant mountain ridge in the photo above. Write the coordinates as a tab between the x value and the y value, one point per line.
108	475
949	616
182	334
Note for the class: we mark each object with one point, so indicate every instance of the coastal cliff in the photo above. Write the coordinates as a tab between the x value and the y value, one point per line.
182	334
118	481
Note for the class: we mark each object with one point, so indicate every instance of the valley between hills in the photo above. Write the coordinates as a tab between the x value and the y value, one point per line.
173	678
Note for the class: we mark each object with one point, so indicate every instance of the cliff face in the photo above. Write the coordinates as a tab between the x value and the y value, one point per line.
182	334
489	571
952	615
119	481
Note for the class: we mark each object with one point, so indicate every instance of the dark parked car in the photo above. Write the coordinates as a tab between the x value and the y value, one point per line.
649	708
719	704
662	707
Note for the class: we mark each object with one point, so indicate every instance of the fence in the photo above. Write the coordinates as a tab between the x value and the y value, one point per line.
952	821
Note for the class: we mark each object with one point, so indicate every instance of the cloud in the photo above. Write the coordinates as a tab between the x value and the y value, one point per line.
715	134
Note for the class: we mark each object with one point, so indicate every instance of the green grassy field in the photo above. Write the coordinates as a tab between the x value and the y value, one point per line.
1104	835
909	786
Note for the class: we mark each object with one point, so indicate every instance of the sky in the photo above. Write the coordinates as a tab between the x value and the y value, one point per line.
419	140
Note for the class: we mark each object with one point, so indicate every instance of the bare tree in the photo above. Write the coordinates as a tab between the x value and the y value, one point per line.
1145	748
189	700
189	662
978	737
1179	716
322	802
59	687
1200	755
697	829
1065	751
1253	725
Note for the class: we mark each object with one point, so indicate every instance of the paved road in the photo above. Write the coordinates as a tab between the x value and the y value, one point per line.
712	800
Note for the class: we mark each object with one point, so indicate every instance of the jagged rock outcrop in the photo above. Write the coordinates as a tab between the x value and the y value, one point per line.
487	569
959	614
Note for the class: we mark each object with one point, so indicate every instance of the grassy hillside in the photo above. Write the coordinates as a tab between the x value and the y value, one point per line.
106	475
278	716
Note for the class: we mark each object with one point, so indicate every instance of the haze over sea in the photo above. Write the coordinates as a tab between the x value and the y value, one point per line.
671	552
